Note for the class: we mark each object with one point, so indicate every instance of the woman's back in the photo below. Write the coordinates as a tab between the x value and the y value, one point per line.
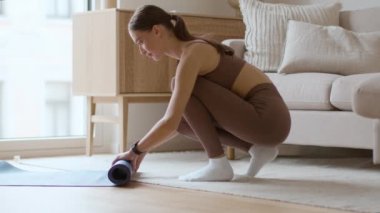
229	71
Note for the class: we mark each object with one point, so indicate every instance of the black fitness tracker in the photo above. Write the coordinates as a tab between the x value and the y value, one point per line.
135	149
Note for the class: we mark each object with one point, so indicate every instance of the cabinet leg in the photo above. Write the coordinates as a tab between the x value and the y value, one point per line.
230	153
90	125
123	123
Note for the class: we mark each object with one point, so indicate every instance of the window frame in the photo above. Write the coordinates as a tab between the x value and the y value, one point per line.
42	147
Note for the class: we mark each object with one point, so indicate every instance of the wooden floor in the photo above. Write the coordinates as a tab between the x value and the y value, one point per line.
135	197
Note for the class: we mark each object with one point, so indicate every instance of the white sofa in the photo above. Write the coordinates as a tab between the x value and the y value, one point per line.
333	110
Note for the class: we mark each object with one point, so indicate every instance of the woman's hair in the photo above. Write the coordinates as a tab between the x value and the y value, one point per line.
145	17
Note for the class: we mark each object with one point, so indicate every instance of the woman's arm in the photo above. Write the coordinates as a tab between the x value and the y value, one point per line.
185	78
191	63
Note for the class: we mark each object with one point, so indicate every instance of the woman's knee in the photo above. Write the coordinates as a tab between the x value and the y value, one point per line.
204	86
184	128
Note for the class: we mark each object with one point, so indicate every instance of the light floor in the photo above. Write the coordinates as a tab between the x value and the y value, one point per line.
136	197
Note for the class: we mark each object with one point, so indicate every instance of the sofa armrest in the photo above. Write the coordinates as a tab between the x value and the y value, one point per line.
237	45
366	98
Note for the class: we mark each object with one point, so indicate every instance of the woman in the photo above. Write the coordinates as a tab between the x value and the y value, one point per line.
217	98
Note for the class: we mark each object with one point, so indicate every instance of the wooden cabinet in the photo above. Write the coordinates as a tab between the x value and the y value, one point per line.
107	64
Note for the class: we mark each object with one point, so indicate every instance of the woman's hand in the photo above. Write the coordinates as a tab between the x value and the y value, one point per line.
132	157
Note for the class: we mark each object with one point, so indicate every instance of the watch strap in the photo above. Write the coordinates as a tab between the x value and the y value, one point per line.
135	149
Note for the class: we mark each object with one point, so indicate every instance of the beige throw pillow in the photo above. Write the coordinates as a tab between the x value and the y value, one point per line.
330	49
266	26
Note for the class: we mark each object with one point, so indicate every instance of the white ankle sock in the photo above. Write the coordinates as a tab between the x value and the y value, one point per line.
218	169
260	155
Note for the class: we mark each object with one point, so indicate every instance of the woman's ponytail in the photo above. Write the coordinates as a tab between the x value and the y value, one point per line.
180	29
147	16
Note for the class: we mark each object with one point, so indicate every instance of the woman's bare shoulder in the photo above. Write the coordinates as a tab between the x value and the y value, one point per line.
203	53
200	48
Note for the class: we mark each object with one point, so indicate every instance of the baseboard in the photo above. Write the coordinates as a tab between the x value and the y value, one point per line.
317	151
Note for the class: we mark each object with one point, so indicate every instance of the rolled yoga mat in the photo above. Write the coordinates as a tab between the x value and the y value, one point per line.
120	173
13	176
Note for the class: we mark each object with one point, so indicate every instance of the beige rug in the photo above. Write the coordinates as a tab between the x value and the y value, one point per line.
343	183
347	184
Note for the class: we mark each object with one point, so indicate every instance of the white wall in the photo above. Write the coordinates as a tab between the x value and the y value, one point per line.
205	7
346	4
359	4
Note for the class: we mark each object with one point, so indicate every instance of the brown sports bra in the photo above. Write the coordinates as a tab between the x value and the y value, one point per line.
226	71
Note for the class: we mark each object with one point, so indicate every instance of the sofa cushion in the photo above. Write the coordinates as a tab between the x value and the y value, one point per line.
366	98
305	91
329	49
266	25
361	20
343	89
237	45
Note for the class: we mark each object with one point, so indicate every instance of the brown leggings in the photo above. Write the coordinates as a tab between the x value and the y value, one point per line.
214	116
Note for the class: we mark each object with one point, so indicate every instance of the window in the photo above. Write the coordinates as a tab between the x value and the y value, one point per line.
59	8
36	103
1	104
57	109
1	7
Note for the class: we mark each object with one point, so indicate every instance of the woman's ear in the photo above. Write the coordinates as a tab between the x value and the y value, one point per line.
156	29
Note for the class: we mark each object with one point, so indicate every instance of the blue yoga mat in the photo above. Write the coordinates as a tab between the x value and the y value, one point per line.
13	176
